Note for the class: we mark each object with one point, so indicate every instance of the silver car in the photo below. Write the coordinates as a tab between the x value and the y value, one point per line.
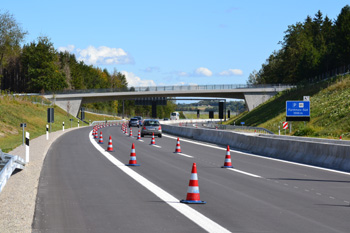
151	126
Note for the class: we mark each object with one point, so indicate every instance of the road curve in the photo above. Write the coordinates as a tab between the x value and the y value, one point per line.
80	190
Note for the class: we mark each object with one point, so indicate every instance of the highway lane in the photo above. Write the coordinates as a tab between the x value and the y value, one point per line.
81	191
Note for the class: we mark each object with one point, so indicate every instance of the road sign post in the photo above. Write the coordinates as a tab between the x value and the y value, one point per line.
298	110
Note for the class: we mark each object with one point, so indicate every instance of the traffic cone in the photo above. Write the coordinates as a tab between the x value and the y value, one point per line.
101	139
178	148
132	161
110	146
153	142
139	135
340	138
96	134
228	163
126	130
130	135
193	196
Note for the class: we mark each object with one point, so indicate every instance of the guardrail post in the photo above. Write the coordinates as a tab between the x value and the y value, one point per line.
27	147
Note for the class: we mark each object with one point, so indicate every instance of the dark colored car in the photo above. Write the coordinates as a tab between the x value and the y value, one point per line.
151	126
140	119
134	122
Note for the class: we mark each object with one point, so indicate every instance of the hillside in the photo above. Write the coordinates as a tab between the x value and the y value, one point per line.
33	112
330	108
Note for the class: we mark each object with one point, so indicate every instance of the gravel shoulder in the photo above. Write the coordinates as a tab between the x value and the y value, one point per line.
17	199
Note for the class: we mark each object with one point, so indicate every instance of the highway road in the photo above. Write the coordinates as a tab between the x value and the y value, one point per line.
82	188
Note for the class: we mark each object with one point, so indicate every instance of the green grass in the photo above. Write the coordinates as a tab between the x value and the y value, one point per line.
330	108
17	110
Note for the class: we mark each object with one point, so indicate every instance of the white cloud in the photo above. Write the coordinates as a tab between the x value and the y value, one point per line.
104	55
135	81
231	72
69	48
202	71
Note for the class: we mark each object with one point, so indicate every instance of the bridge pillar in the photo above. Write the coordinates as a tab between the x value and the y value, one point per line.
70	105
253	100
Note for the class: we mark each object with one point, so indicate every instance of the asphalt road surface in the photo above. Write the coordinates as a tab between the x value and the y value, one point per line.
82	190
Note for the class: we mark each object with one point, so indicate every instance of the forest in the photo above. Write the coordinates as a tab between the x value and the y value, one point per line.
318	46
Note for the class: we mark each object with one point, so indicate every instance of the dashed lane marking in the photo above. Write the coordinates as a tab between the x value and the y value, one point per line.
262	157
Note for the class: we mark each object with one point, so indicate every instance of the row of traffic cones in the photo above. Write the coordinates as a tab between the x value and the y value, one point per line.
193	194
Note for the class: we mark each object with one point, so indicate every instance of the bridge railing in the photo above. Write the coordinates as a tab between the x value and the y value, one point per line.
278	87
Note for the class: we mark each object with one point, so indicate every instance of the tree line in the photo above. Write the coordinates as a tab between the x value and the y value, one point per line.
37	67
316	46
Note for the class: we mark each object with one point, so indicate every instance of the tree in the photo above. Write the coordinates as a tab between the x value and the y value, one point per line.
342	36
11	35
42	64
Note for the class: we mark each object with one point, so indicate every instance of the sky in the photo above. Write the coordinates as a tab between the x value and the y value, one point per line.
166	43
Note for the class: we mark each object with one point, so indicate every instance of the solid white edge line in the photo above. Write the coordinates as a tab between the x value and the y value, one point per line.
198	218
263	157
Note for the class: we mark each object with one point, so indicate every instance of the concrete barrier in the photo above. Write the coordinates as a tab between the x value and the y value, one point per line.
320	153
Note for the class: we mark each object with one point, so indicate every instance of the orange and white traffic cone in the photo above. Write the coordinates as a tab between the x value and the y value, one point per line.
153	142
340	138
139	135
228	163
101	139
193	196
132	161
130	135
126	130
96	134
178	148
110	146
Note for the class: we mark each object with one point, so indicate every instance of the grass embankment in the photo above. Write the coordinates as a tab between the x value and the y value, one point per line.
19	109
330	110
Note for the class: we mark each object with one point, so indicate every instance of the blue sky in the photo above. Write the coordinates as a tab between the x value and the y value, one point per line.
168	42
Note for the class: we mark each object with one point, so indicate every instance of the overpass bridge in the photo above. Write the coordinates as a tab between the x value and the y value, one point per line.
253	95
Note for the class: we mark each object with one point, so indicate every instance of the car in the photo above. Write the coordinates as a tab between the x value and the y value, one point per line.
134	122
140	119
151	126
165	119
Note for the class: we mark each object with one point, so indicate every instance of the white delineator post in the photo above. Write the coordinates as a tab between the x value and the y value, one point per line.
27	147
63	126
47	132
78	123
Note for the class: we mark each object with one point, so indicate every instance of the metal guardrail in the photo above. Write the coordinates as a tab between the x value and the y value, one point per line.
8	163
108	122
176	88
239	128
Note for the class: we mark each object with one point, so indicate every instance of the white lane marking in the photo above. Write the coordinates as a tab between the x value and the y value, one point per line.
245	173
262	157
140	140
198	218
331	197
156	146
189	156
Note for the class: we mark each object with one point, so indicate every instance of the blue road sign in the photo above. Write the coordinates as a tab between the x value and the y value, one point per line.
242	123
298	108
